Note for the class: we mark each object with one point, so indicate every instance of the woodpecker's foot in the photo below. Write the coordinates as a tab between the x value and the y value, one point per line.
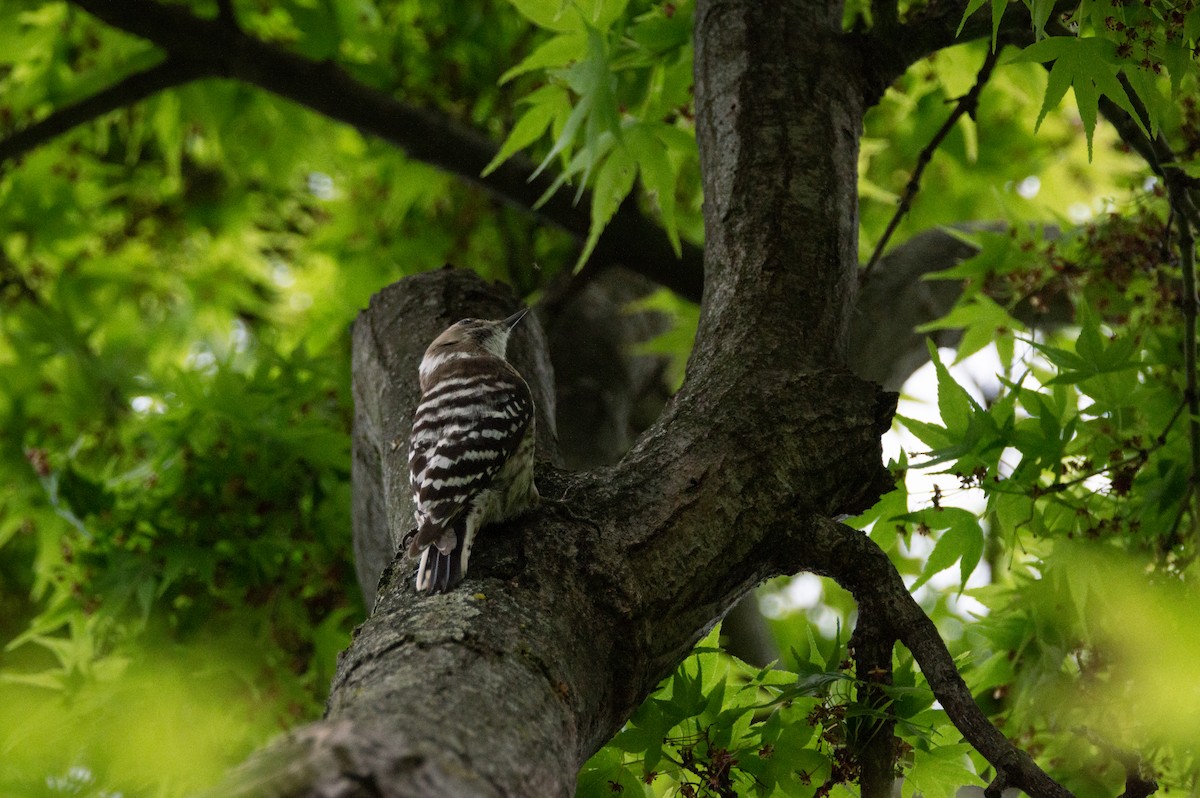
408	538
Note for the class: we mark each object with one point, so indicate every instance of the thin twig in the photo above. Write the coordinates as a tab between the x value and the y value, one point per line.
1136	785
125	92
967	104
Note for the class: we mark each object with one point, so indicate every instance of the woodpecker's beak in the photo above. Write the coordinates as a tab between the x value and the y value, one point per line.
512	320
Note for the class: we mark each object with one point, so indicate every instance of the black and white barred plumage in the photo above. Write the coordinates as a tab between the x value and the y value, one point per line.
470	456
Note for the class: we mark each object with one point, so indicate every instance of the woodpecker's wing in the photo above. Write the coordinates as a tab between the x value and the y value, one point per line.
469	423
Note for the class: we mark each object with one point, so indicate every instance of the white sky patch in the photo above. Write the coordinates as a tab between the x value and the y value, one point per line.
805	591
147	404
1079	212
281	274
201	358
239	336
1009	459
1029	187
321	186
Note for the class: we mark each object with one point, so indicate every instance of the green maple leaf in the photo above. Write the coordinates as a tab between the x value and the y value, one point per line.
1089	66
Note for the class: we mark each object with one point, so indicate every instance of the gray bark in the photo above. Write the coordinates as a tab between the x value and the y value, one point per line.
885	346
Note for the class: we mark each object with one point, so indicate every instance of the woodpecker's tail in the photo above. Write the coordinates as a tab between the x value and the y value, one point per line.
440	571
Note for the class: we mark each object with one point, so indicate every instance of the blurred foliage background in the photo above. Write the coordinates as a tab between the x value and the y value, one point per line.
176	283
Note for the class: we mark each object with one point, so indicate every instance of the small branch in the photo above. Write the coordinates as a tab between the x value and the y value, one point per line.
967	104
874	738
889	50
127	91
1136	786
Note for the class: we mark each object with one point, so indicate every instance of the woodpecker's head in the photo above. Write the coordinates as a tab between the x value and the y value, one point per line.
468	334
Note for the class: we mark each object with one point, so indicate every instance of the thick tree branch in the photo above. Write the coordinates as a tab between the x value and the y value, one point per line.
218	48
571	616
889	50
127	91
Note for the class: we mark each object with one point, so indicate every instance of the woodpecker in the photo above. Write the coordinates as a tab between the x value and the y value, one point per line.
470	457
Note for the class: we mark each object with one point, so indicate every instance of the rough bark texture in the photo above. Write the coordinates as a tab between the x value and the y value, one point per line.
779	145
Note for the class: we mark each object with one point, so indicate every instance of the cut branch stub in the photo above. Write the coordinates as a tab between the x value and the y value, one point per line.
389	340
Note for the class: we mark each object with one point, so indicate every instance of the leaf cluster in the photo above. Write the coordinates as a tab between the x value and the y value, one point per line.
1077	472
718	727
616	105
